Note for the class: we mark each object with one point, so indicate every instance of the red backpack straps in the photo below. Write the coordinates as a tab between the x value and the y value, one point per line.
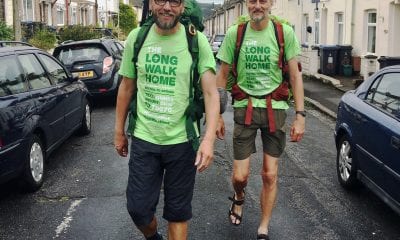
239	41
281	44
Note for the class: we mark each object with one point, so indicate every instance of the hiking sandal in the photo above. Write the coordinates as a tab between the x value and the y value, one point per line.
262	236
232	213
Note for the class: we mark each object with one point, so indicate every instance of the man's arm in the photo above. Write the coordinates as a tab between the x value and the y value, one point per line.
222	79
296	81
205	153
125	93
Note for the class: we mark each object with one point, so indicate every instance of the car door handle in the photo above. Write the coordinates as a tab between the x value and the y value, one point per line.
43	99
359	118
395	142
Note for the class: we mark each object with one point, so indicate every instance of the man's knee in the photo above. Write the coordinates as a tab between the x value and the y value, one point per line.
139	216
240	178
269	179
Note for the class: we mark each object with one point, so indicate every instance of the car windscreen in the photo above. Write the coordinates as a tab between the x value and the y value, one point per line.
219	38
81	53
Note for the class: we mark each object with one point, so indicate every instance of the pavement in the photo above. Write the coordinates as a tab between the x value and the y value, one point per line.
324	92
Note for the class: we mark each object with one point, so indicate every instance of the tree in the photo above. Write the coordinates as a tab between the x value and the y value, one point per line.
6	32
127	18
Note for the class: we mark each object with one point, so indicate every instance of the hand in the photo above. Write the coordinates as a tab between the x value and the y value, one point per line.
220	128
297	129
121	144
205	155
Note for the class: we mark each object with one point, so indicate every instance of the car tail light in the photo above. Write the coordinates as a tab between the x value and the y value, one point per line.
107	62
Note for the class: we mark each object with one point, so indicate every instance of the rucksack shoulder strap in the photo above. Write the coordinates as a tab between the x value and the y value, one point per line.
281	43
141	36
239	41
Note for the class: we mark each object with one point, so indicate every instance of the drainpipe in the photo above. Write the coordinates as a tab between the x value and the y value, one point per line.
67	11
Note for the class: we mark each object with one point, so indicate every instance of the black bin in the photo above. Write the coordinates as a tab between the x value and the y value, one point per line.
343	59
328	59
388	61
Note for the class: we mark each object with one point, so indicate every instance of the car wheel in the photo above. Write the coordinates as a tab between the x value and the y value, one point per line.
346	164
34	165
86	124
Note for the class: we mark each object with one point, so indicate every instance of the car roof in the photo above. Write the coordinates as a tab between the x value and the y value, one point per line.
88	41
7	47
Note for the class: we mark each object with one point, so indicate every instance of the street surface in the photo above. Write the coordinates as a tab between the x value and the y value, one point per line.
83	196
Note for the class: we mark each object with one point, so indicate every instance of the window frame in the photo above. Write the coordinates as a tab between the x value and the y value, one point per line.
370	43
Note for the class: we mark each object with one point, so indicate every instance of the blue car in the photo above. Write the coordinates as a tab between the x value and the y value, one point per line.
41	105
367	136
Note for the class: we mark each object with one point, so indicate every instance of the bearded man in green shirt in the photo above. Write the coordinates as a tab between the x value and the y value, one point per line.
258	75
160	149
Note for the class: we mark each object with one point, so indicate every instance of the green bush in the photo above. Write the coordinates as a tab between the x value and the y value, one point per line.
78	32
127	18
43	39
6	32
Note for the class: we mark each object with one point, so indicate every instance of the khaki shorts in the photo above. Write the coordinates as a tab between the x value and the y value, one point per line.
244	136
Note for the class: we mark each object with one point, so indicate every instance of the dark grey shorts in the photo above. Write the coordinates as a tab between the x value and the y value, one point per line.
244	136
150	165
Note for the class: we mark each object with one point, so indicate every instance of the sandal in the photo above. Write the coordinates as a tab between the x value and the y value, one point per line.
232	213
262	236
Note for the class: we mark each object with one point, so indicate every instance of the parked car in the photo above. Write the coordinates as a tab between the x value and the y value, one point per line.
367	136
41	105
95	61
216	43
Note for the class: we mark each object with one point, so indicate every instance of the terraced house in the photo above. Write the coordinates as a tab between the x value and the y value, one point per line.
367	29
62	12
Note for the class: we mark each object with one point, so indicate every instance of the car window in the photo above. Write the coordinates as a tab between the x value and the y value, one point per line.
56	72
120	47
219	38
385	94
115	49
34	71
69	55
11	79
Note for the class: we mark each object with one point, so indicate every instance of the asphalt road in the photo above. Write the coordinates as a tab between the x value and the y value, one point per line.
83	196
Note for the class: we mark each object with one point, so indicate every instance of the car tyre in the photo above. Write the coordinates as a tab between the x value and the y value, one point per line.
346	164
33	174
86	124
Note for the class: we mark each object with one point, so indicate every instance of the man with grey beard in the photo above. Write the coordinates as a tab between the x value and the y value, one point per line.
162	152
258	76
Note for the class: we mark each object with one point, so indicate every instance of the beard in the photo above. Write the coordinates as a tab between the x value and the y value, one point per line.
257	18
166	25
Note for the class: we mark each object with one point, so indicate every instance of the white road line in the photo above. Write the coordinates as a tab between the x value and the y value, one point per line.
68	218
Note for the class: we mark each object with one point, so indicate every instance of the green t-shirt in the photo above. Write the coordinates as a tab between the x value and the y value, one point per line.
163	82
258	70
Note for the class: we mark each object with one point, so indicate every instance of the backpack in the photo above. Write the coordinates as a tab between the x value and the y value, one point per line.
281	93
192	20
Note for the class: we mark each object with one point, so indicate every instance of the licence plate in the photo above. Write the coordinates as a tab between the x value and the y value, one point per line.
86	74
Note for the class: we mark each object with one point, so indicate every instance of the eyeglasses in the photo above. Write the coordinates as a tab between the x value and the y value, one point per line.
260	1
172	3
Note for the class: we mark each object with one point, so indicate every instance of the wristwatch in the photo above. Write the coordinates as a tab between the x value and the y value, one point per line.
302	113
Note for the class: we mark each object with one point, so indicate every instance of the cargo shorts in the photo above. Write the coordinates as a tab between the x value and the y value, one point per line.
244	136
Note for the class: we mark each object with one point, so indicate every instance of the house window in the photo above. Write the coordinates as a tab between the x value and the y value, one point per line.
339	28
371	31
27	10
316	28
304	34
60	15
73	17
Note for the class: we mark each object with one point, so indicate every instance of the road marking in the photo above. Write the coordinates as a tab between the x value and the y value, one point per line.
62	228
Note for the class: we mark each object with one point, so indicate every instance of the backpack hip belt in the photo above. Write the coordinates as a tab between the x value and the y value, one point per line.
281	93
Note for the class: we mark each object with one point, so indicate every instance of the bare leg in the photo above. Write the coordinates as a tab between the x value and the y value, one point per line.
269	190
177	230
240	178
149	230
